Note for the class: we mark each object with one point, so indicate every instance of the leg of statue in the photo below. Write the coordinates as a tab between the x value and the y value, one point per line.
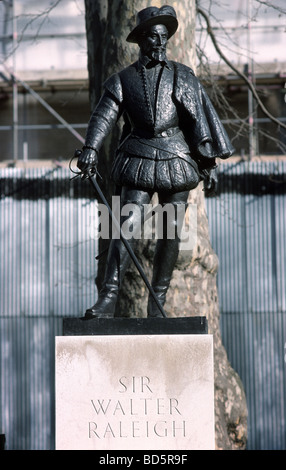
166	251
118	258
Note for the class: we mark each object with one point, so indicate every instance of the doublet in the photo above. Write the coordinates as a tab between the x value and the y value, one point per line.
168	119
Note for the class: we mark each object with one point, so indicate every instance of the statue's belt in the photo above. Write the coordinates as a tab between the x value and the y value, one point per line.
166	133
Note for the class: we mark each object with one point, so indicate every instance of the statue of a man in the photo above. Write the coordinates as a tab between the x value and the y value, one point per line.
171	138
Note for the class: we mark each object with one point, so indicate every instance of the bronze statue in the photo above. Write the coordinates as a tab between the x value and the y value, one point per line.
170	141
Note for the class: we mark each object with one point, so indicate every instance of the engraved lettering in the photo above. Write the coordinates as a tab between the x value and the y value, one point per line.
121	381
91	425
101	406
173	405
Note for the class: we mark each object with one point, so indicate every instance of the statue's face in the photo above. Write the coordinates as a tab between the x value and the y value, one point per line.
154	42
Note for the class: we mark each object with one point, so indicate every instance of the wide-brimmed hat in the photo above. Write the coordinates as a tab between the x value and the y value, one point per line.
151	16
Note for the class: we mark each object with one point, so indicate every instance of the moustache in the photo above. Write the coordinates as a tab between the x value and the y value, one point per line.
159	48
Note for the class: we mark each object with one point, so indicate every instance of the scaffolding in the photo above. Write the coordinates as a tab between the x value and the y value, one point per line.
12	84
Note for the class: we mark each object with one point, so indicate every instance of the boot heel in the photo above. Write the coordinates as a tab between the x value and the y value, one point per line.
104	307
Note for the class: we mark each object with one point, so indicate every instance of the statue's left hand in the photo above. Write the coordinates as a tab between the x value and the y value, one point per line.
211	182
87	159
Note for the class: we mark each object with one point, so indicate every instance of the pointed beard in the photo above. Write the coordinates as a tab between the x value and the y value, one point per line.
159	55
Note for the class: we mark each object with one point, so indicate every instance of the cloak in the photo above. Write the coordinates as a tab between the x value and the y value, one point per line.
202	122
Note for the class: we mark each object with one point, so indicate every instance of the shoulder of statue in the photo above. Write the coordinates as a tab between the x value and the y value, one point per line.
184	79
182	69
129	71
113	86
120	80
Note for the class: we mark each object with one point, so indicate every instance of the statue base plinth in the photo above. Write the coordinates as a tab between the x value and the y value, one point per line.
134	326
135	384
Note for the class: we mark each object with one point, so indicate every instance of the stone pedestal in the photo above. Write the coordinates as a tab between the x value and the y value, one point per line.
135	384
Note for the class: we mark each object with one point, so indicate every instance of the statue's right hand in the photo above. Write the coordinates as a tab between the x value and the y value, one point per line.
87	159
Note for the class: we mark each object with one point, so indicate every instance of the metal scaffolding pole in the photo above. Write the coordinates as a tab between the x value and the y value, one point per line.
15	85
251	103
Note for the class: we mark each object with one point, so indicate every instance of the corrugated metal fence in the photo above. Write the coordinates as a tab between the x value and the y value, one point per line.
48	251
48	264
248	232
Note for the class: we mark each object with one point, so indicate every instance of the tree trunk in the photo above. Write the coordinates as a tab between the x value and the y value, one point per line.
193	289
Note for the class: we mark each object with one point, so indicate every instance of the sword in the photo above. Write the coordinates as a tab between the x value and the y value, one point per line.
91	175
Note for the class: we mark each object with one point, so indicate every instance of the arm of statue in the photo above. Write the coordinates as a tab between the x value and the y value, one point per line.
101	123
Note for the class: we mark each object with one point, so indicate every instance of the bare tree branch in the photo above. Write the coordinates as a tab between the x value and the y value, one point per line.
270	5
240	74
43	15
238	124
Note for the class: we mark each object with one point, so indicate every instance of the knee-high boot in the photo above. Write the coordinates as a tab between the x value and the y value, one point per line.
118	260
166	254
167	251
